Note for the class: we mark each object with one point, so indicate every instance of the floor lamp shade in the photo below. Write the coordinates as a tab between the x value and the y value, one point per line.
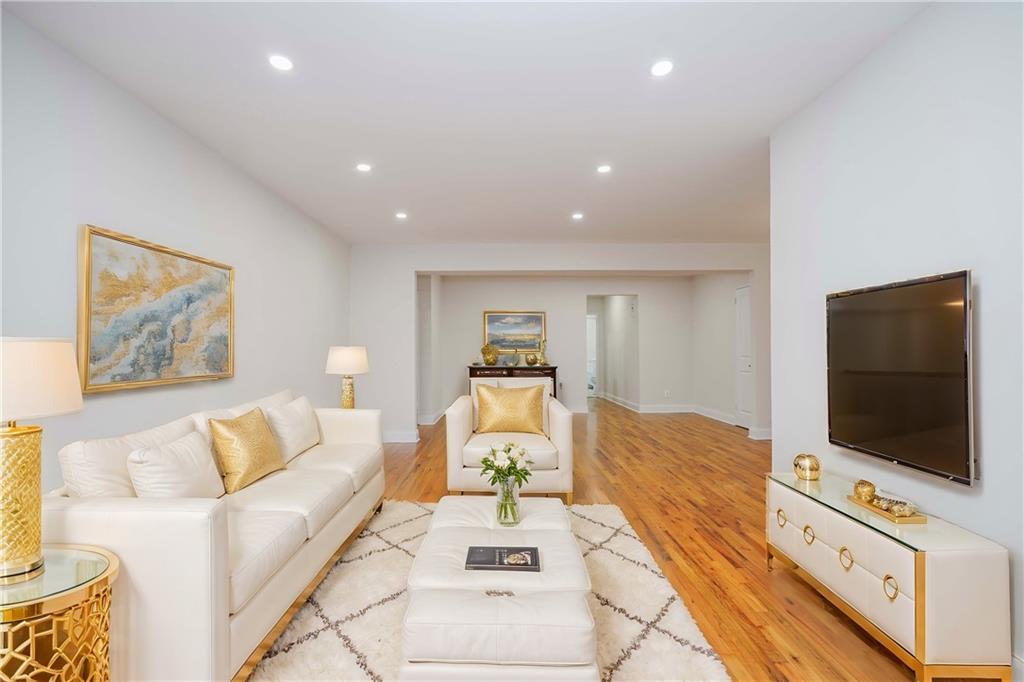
346	361
38	378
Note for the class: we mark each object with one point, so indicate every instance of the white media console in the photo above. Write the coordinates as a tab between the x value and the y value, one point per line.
935	594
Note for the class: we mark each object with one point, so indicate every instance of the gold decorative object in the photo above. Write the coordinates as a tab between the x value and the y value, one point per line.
511	331
245	449
916	517
38	378
807	467
864	490
64	635
490	354
150	315
531	359
346	361
541	357
510	410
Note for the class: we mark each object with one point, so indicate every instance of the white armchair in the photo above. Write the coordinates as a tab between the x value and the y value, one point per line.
551	453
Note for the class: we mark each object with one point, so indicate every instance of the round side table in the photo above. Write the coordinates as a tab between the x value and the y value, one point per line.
56	626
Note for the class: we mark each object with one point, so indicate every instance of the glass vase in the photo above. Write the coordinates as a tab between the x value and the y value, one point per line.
508	503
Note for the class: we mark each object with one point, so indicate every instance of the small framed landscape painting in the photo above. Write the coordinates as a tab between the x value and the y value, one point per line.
150	315
510	331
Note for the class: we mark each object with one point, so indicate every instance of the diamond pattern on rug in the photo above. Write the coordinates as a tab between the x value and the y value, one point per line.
351	626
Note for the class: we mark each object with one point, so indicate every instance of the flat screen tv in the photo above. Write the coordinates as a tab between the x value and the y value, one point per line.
899	373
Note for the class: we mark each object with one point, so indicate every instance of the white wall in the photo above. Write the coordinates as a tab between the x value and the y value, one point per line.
910	165
622	350
383	314
77	149
714	343
662	335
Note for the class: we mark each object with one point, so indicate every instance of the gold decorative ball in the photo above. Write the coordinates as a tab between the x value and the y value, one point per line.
864	490
531	359
807	467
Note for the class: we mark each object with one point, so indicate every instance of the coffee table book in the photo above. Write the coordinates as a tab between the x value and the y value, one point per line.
502	559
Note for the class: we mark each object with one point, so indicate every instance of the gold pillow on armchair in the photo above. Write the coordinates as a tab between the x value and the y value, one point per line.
245	449
515	410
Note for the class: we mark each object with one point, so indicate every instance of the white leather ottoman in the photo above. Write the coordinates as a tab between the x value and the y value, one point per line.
498	625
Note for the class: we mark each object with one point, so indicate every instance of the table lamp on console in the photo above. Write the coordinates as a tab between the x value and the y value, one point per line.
38	378
347	361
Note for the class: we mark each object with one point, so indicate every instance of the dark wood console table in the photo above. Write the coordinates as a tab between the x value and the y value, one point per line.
481	371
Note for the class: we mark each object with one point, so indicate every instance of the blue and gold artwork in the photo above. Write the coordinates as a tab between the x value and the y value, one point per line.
151	315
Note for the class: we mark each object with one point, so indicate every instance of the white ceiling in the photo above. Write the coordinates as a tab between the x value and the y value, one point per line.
485	121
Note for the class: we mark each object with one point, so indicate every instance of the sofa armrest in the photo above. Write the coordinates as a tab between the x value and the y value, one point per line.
458	421
560	424
349	426
171	595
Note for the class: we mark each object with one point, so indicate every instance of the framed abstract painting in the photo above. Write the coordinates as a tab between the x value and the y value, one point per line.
149	315
510	331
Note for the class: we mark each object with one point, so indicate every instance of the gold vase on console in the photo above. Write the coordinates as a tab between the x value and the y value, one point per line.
490	354
807	467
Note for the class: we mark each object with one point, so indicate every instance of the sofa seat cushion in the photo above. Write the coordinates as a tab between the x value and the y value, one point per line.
360	461
316	495
259	544
542	451
504	627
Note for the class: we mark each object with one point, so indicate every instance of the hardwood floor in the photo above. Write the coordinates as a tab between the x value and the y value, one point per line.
693	488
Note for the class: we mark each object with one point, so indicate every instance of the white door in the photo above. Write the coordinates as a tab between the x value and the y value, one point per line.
744	361
591	355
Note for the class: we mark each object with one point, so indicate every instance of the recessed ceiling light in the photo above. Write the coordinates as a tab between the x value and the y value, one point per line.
604	168
364	167
280	62
661	68
577	216
401	215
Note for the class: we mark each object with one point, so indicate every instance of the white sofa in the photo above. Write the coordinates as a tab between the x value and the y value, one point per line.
551	453
204	581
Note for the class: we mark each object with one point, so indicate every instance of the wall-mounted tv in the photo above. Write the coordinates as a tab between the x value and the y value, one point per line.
899	373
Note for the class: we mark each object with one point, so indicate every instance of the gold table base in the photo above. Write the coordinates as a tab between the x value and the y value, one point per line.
73	644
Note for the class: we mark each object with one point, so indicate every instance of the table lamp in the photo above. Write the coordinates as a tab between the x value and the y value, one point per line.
38	378
346	361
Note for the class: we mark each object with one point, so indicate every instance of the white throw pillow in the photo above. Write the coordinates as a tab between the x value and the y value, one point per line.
202	419
184	468
294	426
98	467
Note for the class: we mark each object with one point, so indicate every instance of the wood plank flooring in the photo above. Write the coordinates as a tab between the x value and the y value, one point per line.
693	488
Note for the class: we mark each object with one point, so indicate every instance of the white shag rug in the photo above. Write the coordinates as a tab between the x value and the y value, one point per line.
351	627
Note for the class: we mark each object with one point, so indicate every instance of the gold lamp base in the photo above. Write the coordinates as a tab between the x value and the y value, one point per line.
348	392
21	556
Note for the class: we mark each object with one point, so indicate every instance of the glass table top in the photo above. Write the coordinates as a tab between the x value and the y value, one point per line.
65	569
935	535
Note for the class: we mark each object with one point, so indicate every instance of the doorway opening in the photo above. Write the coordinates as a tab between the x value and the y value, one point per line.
592	374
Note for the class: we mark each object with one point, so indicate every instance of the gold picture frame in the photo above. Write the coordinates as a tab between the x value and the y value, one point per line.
123	297
511	331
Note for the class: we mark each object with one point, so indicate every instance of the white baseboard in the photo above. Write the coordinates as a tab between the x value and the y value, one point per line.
401	436
760	433
718	415
1018	667
629	404
429	419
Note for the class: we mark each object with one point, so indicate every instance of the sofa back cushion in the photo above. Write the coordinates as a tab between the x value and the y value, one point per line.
245	449
182	468
515	410
202	419
294	426
99	467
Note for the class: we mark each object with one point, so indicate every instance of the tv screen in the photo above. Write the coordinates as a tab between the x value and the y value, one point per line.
899	373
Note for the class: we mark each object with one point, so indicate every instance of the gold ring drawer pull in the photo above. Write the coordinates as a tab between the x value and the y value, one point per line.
846	557
780	517
890	587
808	531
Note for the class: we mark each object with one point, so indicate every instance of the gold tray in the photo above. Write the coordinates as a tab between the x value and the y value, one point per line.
916	517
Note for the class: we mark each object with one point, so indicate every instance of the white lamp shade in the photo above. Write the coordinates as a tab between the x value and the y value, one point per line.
347	360
38	378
